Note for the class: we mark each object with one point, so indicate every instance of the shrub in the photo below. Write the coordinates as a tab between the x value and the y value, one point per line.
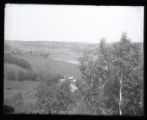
53	79
16	102
29	108
8	109
21	76
11	75
29	75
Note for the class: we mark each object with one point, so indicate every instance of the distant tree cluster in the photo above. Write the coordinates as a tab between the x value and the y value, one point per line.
44	54
21	75
8	58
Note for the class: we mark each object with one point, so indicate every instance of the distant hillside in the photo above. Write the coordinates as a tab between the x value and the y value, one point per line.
51	47
49	65
59	59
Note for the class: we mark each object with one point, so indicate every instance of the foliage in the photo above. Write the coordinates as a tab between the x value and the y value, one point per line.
16	102
103	69
131	67
53	97
21	75
53	79
30	75
11	75
95	73
29	108
8	58
8	109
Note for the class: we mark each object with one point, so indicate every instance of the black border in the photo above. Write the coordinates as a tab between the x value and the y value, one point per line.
80	2
65	2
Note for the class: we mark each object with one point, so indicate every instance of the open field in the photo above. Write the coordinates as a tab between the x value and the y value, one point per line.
26	88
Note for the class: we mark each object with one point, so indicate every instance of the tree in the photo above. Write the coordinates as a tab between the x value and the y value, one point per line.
94	68
131	75
114	72
54	97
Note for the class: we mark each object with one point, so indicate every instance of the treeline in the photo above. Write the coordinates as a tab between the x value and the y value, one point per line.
24	75
8	58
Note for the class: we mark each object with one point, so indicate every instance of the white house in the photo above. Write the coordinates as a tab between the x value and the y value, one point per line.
73	87
70	78
62	80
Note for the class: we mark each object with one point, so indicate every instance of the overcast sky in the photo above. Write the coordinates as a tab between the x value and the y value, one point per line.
72	23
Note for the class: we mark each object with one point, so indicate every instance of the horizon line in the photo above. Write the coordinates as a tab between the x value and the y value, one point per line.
70	41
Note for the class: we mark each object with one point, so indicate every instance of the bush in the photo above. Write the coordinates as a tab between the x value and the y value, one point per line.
11	75
29	75
8	109
21	76
29	108
16	102
53	79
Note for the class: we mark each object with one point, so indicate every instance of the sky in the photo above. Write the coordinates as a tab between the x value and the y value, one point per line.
73	23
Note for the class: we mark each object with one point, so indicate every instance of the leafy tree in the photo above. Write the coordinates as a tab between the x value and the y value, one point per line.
131	70
114	73
94	68
128	74
54	97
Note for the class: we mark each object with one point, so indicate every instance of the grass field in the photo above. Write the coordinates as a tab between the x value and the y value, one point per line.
26	88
